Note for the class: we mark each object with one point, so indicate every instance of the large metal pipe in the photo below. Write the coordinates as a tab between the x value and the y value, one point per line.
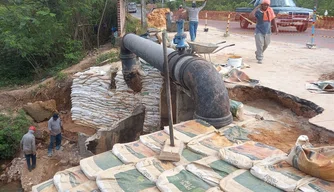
191	72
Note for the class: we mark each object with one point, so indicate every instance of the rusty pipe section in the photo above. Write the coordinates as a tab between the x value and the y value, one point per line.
191	72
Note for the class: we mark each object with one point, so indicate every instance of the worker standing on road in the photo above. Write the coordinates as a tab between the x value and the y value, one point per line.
193	12
265	18
55	127
28	146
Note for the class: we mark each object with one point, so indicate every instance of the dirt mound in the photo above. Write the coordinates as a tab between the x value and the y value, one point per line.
327	76
157	17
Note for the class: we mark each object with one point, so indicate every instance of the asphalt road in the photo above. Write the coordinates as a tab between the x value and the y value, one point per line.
323	38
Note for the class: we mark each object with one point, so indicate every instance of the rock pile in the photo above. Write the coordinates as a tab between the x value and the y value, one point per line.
95	105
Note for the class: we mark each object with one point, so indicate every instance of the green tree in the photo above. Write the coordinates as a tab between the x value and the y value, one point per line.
12	128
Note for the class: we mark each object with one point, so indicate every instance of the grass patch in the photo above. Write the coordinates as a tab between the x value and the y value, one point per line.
61	76
132	25
12	128
111	57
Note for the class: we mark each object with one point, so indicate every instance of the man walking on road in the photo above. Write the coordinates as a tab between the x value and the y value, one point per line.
265	17
193	12
29	147
55	127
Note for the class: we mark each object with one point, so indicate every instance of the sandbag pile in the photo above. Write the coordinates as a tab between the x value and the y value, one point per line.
95	105
249	166
46	186
150	96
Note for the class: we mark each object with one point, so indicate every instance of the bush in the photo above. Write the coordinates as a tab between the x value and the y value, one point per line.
12	128
132	25
113	56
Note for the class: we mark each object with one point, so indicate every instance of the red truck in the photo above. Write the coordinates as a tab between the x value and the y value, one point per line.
287	14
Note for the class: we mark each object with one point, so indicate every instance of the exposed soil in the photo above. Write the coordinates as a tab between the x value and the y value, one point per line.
327	76
59	90
280	127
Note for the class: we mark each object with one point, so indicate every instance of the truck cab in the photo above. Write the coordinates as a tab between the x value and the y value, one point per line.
286	11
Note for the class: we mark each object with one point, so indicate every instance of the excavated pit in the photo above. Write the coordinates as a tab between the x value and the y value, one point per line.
282	118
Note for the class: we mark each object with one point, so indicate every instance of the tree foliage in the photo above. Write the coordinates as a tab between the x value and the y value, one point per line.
12	128
39	38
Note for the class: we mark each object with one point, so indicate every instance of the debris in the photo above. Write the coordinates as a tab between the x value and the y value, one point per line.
321	87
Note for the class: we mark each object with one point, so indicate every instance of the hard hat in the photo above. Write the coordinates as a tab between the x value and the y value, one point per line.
32	128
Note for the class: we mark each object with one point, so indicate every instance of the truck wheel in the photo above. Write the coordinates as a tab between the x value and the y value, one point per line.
301	28
243	23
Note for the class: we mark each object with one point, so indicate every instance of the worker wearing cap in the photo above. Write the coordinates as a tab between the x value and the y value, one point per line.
55	127
264	17
193	12
28	147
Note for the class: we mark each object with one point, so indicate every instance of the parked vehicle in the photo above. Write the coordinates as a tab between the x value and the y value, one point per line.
287	14
132	7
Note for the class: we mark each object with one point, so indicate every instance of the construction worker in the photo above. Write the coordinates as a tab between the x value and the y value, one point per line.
28	147
193	12
55	127
265	18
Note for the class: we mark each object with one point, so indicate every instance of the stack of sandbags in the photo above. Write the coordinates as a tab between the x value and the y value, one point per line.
151	87
95	105
279	173
153	167
73	179
317	185
179	179
209	144
188	156
188	130
46	186
124	178
243	180
154	141
211	169
247	154
132	152
92	166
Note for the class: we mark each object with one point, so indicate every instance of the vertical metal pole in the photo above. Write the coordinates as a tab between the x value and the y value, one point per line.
228	26
313	22
206	19
169	99
143	14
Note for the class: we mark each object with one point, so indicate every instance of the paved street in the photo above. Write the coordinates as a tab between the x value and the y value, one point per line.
323	38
